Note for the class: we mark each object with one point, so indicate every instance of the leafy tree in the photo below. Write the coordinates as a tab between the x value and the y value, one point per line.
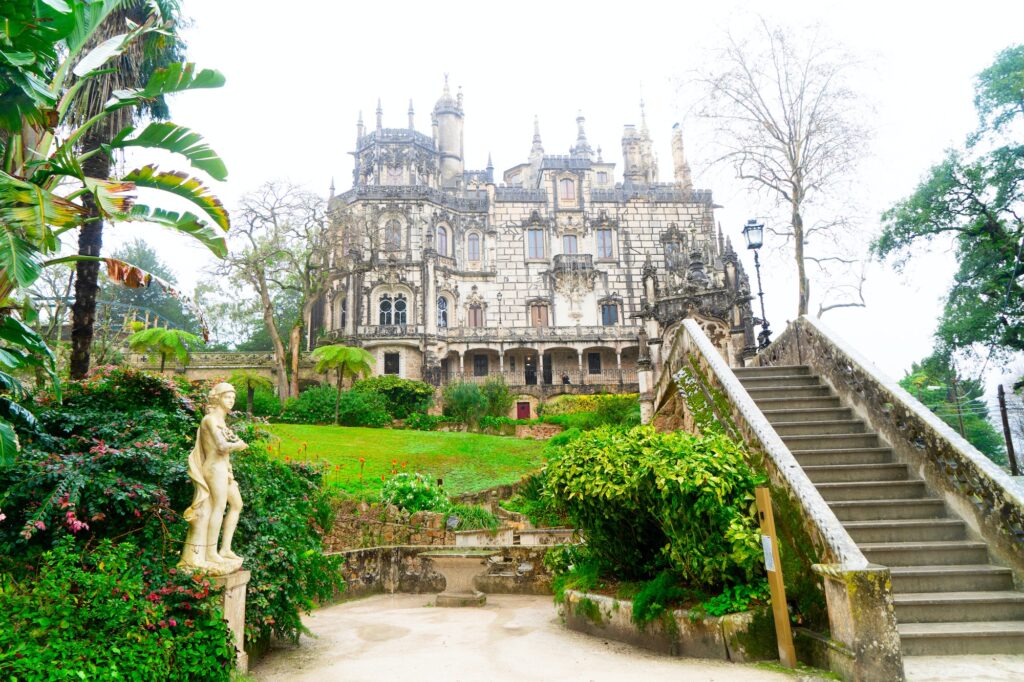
343	360
957	401
464	401
498	396
166	306
249	380
175	343
975	198
787	122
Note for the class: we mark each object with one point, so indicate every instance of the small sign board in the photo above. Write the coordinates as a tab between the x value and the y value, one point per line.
769	556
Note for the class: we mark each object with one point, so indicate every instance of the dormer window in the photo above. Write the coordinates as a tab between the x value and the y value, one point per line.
566	189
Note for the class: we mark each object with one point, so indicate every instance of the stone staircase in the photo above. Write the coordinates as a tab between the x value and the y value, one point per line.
950	599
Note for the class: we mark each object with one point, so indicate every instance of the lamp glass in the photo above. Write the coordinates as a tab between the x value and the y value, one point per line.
753	231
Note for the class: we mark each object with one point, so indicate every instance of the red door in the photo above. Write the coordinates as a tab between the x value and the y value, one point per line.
523	410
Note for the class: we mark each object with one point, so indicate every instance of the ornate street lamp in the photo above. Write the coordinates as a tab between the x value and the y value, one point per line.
753	232
499	308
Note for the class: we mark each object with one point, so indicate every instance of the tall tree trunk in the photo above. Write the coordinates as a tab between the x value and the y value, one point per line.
337	399
294	340
280	359
801	271
163	362
250	392
90	243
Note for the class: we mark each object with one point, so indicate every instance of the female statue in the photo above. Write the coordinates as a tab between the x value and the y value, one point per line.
209	467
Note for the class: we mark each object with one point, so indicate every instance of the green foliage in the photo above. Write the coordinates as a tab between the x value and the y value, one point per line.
583	421
535	505
248	383
572	568
587	412
498	396
402	396
473	517
655	597
323	405
265	404
112	465
413	493
499	424
735	599
973	197
649	501
176	343
21	349
147	299
464	401
106	614
347	361
932	380
423	422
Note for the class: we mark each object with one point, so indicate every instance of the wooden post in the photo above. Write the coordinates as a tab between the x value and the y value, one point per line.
787	654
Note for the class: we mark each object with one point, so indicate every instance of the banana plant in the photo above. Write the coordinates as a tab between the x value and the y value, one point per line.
44	192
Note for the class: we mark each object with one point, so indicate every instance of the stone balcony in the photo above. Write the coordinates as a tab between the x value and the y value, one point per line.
572	262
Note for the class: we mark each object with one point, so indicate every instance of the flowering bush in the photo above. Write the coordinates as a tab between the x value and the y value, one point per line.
108	614
413	493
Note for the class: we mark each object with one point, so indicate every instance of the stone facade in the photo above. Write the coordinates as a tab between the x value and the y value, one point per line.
546	278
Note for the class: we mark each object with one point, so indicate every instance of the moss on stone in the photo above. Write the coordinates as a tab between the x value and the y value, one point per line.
589	609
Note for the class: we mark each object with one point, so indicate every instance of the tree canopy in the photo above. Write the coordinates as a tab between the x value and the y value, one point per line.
975	197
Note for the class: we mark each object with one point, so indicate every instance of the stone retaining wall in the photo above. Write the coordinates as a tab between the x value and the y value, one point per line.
738	637
358	524
374	570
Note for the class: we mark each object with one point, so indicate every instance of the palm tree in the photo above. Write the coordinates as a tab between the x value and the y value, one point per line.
167	342
131	69
250	381
344	360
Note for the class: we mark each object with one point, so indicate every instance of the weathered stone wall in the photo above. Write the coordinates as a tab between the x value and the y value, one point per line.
373	570
537	431
357	524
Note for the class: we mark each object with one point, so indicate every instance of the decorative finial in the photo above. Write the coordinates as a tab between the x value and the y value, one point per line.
599	159
490	164
380	115
332	185
411	126
447	92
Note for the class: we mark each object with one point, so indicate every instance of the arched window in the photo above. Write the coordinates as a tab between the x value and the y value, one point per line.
569	244
344	311
566	189
604	244
473	247
385	310
400	309
442	241
442	312
393	235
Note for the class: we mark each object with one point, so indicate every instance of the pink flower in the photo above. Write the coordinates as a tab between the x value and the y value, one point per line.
39	525
2	516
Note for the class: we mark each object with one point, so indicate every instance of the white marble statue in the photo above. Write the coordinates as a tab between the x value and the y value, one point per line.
209	467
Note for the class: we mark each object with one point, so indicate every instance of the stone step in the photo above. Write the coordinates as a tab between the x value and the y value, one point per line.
781	380
830	442
881	510
906	530
825	428
872	490
946	578
759	394
784	370
937	553
939	607
952	639
848	473
844	456
796	403
808	414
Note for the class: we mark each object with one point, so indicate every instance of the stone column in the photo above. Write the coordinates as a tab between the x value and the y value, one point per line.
501	362
233	606
462	365
579	364
618	364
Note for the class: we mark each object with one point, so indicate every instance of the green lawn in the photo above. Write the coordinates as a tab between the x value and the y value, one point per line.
467	462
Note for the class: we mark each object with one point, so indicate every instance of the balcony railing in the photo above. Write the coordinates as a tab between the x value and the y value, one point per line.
518	334
573	261
536	377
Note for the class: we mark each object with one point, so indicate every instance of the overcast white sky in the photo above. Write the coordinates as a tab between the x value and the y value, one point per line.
299	73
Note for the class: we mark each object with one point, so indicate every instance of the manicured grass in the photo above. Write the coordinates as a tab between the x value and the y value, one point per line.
467	462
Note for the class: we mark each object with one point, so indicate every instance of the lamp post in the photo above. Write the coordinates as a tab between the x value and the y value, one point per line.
753	232
499	308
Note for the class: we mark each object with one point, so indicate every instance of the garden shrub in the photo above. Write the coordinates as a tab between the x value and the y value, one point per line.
423	422
584	421
464	402
535	505
104	473
498	396
651	501
109	614
316	406
473	517
497	424
402	397
264	403
413	493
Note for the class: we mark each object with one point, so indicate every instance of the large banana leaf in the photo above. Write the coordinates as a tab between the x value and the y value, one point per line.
16	333
187	223
19	260
101	54
184	186
173	78
177	139
32	210
9	444
112	196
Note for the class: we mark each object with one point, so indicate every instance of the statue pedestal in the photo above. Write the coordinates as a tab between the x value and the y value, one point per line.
233	605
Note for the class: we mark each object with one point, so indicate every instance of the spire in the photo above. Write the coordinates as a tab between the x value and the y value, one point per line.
447	102
582	148
599	158
411	126
682	168
643	118
332	187
537	151
380	115
490	168
360	129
